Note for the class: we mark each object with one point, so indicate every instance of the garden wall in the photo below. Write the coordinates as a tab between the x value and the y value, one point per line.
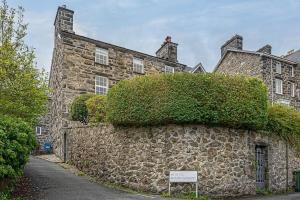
141	158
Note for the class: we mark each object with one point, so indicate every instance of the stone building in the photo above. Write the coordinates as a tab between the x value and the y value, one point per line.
280	74
84	65
42	130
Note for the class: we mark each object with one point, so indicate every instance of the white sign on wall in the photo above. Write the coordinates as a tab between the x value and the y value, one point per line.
183	177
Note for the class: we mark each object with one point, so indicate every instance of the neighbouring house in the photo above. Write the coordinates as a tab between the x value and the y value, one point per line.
42	130
84	65
280	74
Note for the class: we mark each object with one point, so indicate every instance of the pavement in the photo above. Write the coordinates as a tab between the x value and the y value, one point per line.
58	183
294	196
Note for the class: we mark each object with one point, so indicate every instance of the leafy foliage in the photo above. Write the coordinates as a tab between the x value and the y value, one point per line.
284	121
96	107
17	139
79	110
23	89
215	99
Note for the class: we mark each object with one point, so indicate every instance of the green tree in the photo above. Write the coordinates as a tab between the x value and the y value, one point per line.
23	88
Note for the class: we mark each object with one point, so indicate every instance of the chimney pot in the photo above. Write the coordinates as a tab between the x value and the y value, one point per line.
168	39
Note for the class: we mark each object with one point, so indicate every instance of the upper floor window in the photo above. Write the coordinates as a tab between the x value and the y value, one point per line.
278	68
101	85
278	86
292	89
292	73
138	65
169	69
101	56
38	130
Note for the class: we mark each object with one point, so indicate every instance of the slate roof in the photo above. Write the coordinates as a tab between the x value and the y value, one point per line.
295	57
284	59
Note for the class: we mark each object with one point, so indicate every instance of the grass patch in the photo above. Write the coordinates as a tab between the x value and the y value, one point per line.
187	195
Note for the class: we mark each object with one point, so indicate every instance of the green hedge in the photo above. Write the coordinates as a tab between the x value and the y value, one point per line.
17	139
79	111
216	99
284	121
96	107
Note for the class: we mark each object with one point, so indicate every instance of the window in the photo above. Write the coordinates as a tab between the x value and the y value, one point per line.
138	65
169	69
278	86
38	130
292	89
101	56
283	101
101	85
292	71
278	68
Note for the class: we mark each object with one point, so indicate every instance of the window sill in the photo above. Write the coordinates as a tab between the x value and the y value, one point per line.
101	64
278	93
141	73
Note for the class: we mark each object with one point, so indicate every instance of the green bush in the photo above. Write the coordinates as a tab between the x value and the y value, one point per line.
216	99
79	111
96	107
17	139
284	121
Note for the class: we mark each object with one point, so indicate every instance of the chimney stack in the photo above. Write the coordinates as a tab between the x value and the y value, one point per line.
168	50
267	49
236	42
64	19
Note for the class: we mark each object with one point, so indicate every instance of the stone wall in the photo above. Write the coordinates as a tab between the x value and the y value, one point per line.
241	63
141	158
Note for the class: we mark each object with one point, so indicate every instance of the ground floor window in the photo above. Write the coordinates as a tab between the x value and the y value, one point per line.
101	85
38	130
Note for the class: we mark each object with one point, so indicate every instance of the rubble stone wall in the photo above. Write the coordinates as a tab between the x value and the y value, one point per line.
141	158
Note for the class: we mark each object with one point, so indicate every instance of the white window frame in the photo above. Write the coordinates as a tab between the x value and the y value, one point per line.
278	68
278	86
101	56
101	82
292	71
169	69
138	65
292	89
38	130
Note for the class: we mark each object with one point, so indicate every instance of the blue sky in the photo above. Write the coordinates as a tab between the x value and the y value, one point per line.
200	27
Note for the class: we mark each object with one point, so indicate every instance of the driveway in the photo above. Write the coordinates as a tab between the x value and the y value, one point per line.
57	183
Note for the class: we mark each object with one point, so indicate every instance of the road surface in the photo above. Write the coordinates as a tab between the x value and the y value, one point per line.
57	183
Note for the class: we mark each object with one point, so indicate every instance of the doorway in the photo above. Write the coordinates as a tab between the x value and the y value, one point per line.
65	147
261	166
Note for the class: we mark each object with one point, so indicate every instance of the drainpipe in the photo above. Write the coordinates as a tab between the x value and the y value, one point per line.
287	165
272	83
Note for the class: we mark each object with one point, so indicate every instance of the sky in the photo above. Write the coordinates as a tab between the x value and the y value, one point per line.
200	27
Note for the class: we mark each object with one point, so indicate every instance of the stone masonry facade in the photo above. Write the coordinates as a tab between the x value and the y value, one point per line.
141	158
262	64
75	68
42	130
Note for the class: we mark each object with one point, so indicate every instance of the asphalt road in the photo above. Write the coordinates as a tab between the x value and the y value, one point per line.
57	183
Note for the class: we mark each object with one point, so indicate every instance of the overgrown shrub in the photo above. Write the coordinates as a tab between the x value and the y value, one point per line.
79	111
96	107
216	99
284	121
17	139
